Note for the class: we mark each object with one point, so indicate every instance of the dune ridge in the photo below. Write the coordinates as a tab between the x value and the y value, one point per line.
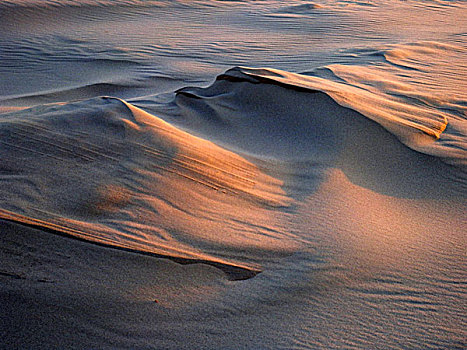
128	179
316	203
124	178
432	125
420	128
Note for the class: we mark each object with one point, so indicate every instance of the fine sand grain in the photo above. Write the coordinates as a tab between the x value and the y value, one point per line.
160	190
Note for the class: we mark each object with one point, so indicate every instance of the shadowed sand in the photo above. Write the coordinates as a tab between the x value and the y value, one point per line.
119	176
52	286
208	204
105	171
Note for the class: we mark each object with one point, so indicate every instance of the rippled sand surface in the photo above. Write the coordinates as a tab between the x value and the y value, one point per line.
233	174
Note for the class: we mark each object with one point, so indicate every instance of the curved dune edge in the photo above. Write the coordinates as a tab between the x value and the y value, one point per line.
233	272
402	120
421	127
155	189
106	172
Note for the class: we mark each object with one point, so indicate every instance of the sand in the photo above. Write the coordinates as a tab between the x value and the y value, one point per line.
167	186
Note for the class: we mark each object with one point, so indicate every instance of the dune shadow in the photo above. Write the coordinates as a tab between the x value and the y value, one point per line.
103	171
297	135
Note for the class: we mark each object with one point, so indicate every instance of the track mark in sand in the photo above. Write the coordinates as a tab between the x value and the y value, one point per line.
69	146
29	150
17	276
12	275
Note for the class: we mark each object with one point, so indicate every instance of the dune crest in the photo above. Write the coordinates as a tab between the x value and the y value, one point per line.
104	171
333	182
402	123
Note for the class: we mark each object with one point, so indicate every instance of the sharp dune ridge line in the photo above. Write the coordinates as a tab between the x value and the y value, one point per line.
105	171
357	99
204	174
140	155
234	272
418	127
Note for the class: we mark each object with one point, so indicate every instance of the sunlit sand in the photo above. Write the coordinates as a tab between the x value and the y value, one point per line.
233	175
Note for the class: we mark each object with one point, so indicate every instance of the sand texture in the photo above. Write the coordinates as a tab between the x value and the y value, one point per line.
233	175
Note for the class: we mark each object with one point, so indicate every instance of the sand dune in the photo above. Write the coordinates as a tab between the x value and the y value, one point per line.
160	190
105	171
322	204
269	118
108	172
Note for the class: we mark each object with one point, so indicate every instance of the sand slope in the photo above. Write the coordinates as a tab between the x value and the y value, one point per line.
317	203
354	232
107	172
